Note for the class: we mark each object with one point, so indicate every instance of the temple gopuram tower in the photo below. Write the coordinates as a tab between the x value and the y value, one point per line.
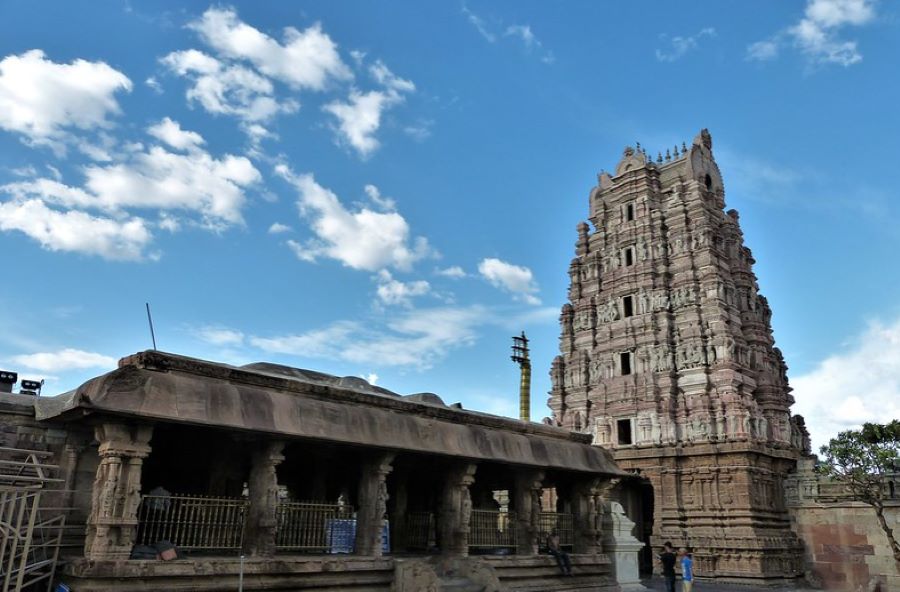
667	358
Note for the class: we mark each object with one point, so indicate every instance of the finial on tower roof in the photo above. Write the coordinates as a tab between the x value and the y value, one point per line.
668	155
675	151
659	157
637	146
683	148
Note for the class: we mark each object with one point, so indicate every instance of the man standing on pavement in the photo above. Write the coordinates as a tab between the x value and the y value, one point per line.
667	558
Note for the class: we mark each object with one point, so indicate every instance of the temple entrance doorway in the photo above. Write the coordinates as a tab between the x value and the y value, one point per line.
636	497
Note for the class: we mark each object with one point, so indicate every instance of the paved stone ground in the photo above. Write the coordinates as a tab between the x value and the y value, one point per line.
658	585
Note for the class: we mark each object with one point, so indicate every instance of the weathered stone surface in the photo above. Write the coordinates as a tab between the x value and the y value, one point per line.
845	547
667	358
157	386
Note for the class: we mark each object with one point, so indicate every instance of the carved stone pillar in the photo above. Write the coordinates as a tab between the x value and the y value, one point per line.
587	506
260	529
373	499
456	510
116	494
527	501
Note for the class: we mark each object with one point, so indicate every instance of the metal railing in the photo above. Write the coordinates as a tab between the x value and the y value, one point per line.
308	526
420	531
192	522
490	529
563	524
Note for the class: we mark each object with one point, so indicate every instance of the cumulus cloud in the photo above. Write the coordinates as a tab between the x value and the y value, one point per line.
306	59
225	89
858	384
157	179
63	360
74	231
418	339
64	217
680	46
374	194
279	228
817	34
361	239
171	133
44	101
359	117
394	292
515	279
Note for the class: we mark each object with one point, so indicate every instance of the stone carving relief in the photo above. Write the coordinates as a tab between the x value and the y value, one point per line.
608	312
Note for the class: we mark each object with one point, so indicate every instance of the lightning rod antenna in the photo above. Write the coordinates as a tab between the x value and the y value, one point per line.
150	322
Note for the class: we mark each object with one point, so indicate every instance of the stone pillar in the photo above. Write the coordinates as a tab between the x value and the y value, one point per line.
587	506
260	529
372	501
456	510
621	546
116	494
527	501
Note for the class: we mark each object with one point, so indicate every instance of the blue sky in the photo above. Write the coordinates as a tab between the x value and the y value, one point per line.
392	189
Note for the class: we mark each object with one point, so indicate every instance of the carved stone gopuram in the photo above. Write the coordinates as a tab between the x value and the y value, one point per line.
668	360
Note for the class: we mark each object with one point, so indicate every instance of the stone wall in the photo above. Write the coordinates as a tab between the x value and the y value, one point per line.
845	547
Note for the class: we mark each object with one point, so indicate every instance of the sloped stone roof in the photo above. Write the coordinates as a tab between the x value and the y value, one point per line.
294	403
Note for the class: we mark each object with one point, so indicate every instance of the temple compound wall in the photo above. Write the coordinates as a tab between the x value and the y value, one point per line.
282	478
668	360
844	545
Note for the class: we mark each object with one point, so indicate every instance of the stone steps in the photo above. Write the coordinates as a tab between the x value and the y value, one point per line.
459	584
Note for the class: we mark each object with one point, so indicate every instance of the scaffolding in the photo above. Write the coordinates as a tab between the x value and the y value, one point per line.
31	528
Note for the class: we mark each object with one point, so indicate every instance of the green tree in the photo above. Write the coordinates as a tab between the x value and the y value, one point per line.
865	460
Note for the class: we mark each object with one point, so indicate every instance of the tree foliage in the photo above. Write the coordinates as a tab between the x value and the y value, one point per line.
866	461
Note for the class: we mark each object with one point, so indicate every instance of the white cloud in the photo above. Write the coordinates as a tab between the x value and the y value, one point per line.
515	279
65	359
858	384
361	239
454	271
117	239
479	24
530	41
279	228
157	179
44	101
154	85
762	50
385	203
371	378
682	45
306	59
171	133
417	339
359	117
816	34
228	89
221	336
394	292
524	33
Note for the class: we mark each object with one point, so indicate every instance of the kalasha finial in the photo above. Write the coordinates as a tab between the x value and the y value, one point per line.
683	148
668	155
675	151
659	157
637	146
